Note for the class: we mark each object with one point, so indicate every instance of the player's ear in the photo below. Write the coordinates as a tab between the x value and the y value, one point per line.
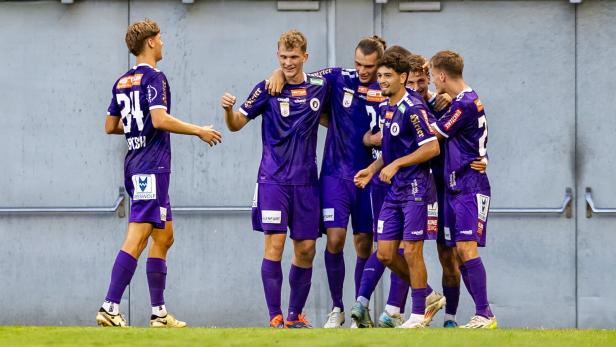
305	56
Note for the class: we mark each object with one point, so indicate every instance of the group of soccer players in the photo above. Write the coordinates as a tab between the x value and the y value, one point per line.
383	169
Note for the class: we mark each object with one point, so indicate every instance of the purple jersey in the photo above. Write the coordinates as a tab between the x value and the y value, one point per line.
289	130
437	164
141	89
405	128
466	129
352	112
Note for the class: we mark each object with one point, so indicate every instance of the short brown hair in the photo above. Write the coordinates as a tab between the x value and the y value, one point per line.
372	44
418	64
395	61
448	61
292	39
400	50
138	32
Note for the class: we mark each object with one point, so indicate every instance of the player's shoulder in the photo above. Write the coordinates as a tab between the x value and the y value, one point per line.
468	101
316	81
410	104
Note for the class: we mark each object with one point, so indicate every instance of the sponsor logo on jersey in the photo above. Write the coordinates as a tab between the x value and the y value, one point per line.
433	209
299	92
271	217
316	81
348	90
454	118
402	108
285	110
479	105
415	188
483	206
362	89
389	114
164	92
253	97
424	114
379	226
447	233
129	81
314	104
374	95
417	126
480	226
394	129
347	100
432	225
417	232
466	232
152	93
328	214
144	187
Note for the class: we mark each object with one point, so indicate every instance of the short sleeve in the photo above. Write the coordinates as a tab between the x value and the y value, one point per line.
114	108
452	121
156	91
420	125
256	102
329	74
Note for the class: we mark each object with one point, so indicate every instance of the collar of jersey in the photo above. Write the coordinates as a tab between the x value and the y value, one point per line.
406	95
143	64
305	81
466	90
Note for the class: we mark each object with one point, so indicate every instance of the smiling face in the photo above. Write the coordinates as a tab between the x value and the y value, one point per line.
365	64
390	81
419	82
291	61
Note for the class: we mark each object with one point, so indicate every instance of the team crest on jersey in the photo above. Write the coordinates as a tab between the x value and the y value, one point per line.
483	206
152	93
347	100
394	129
144	187
285	111
314	104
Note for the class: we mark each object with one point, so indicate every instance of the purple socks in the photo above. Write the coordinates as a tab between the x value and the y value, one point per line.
121	274
419	300
373	270
476	280
299	280
156	270
359	271
452	295
334	264
398	290
271	275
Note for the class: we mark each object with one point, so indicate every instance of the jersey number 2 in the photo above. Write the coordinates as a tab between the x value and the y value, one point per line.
483	123
131	109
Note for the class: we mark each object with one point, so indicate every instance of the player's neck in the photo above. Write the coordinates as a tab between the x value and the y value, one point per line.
395	99
456	87
144	59
297	79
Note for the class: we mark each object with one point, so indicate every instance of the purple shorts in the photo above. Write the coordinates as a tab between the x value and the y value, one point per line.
466	217
341	200
408	221
378	192
149	198
277	207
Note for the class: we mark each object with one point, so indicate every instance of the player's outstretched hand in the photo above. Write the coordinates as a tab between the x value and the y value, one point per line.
210	135
388	172
480	164
442	101
227	101
362	178
275	83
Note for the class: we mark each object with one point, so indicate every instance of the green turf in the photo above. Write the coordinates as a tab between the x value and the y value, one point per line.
56	336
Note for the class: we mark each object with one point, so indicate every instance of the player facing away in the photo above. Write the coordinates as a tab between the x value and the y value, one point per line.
287	191
393	313
467	198
139	109
409	207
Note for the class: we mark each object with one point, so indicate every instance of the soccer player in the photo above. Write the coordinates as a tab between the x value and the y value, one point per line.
139	109
287	192
407	145
467	199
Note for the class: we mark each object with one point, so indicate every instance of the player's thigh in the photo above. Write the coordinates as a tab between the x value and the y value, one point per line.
390	224
163	237
415	216
471	212
336	198
304	217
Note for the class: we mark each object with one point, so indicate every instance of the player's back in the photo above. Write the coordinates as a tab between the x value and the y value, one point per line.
140	90
468	143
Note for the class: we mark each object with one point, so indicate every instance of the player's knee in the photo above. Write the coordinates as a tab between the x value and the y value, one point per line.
386	258
363	245
275	249
167	242
335	245
305	253
466	251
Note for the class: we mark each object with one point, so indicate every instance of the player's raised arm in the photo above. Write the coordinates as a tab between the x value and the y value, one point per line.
164	121
235	120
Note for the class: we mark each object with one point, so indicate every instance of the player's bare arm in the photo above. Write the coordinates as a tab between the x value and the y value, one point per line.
235	120
372	140
113	125
324	119
363	177
275	82
164	121
424	153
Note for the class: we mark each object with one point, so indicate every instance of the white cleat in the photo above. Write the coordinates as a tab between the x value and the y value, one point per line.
354	325
434	303
168	321
335	319
480	322
415	322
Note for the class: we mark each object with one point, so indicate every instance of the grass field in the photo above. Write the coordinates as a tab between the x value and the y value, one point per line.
56	336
